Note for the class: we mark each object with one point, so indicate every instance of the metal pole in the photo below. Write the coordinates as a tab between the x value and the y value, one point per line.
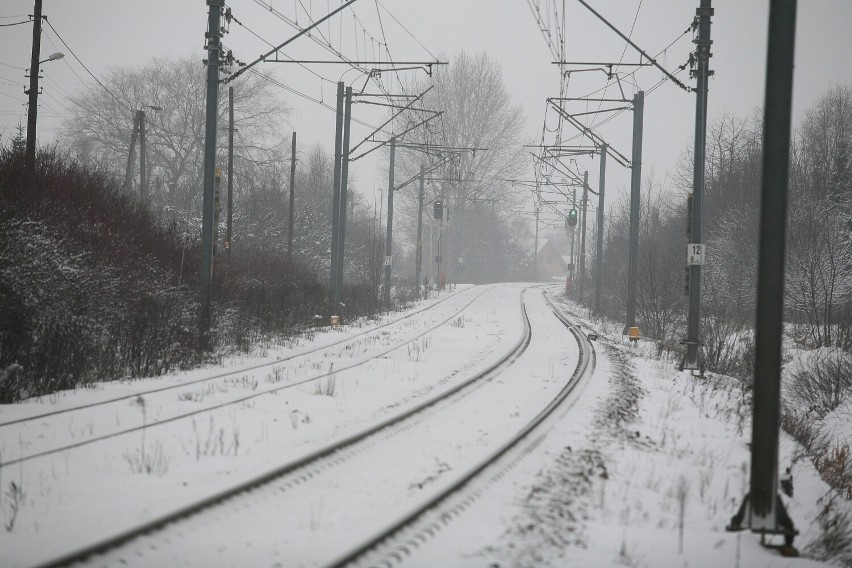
335	203
693	323
537	209
573	234
770	275
441	279
344	182
599	255
143	159
583	237
230	221
292	199
635	203
389	239
206	279
32	107
418	262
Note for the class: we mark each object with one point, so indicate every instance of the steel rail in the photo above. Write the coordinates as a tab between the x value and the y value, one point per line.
317	458
149	425
229	373
585	361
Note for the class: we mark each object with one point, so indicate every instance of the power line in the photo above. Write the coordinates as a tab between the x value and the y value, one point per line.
12	97
82	82
12	66
14	24
84	65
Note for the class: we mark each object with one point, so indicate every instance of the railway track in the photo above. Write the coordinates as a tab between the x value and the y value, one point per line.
393	544
36	425
284	479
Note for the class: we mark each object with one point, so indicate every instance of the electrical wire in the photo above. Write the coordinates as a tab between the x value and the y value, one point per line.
13	97
82	82
264	40
296	92
387	49
12	66
620	59
432	55
84	65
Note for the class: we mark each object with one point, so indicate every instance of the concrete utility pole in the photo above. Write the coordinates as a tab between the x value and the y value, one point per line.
389	239
131	154
635	204
213	46
418	262
143	157
763	510
440	259
583	236
344	191
292	199
335	202
230	221
695	252
32	107
599	255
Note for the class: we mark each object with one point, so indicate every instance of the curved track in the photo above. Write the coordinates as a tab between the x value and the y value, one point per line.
398	540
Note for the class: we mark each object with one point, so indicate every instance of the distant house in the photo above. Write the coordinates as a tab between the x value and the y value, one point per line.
551	264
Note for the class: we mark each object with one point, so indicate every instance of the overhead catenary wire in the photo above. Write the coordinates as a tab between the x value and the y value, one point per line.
267	42
407	30
620	59
324	44
278	83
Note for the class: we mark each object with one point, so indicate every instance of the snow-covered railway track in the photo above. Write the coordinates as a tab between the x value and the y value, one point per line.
134	545
4	422
395	543
42	429
289	489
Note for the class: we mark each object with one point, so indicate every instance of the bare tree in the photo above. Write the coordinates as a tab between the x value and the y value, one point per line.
478	113
100	127
819	279
820	252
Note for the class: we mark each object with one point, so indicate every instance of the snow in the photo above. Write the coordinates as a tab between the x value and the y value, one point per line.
603	485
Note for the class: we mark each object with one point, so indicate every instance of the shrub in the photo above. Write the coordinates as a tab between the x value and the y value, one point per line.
822	382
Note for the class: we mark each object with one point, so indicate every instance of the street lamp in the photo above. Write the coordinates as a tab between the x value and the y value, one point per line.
32	110
53	57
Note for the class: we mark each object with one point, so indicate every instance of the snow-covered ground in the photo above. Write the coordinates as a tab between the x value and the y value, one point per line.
643	467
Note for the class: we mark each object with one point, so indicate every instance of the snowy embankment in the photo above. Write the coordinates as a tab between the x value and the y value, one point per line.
643	467
646	470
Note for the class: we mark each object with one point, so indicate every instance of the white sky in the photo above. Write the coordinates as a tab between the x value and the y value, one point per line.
105	33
